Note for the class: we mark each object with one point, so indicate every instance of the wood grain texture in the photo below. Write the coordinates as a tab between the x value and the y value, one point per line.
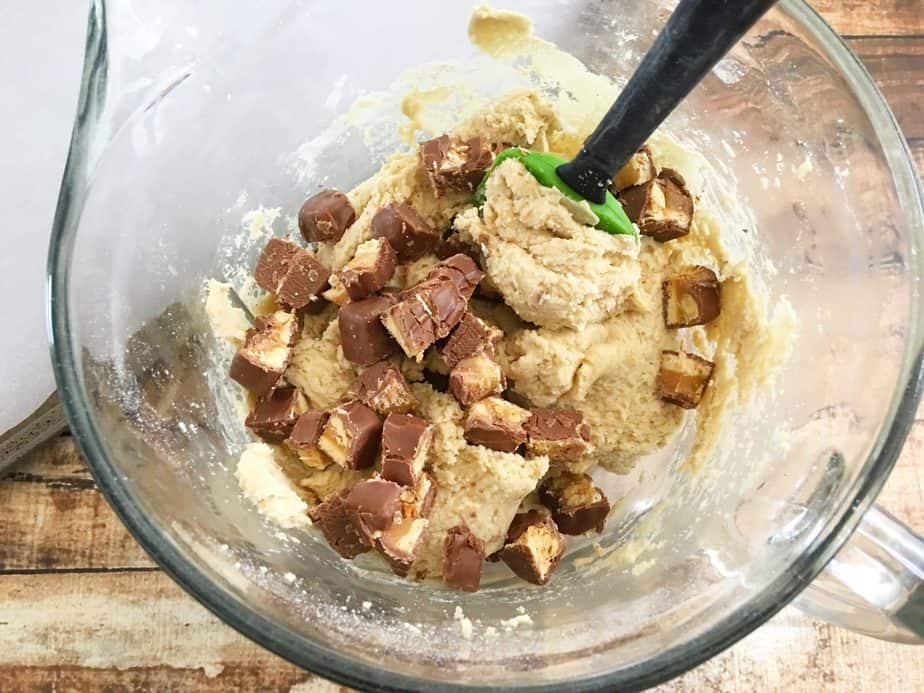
82	607
873	17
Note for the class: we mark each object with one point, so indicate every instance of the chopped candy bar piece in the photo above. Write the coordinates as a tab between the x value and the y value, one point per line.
351	436
275	415
410	323
417	501
470	337
292	273
662	207
324	217
454	164
475	378
576	504
463	555
638	170
263	358
461	270
383	387
683	378
445	303
303	440
363	338
406	443
496	424
405	230
376	503
691	297
339	526
561	434
399	544
534	547
369	270
453	244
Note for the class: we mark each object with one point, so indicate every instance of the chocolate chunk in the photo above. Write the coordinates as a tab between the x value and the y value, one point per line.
263	358
691	297
292	273
275	415
405	230
452	244
638	170
463	554
534	547
351	436
324	217
399	544
471	336
410	323
561	434
376	503
303	440
496	424
683	378
406	443
446	303
662	207
475	378
461	270
371	267
274	262
338	523
363	337
383	387
576	504
453	164
418	500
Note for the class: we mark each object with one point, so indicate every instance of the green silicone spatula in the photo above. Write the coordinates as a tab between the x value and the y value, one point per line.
697	35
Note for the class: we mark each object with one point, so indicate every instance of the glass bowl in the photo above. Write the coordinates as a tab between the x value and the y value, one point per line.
190	115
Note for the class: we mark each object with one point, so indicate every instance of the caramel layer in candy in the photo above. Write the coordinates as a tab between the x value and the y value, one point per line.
534	547
351	436
275	414
638	170
496	424
406	443
399	544
337	522
417	501
363	337
683	378
470	337
405	230
453	164
369	270
463	555
691	297
303	440
475	378
576	504
561	434
662	207
263	358
461	270
383	387
324	217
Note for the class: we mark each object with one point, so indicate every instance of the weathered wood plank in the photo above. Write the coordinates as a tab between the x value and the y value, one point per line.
897	66
862	17
53	517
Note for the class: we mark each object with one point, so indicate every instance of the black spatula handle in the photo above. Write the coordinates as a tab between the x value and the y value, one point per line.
695	38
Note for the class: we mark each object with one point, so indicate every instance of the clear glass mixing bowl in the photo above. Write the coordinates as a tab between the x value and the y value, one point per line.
185	106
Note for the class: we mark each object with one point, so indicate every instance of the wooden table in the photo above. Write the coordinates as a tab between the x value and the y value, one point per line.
82	607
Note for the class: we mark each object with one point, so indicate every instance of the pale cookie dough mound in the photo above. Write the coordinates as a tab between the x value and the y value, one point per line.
265	484
478	487
319	369
607	370
552	270
520	119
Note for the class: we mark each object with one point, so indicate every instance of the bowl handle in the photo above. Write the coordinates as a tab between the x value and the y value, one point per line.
875	583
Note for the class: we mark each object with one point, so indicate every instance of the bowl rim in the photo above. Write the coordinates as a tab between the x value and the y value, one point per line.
328	662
